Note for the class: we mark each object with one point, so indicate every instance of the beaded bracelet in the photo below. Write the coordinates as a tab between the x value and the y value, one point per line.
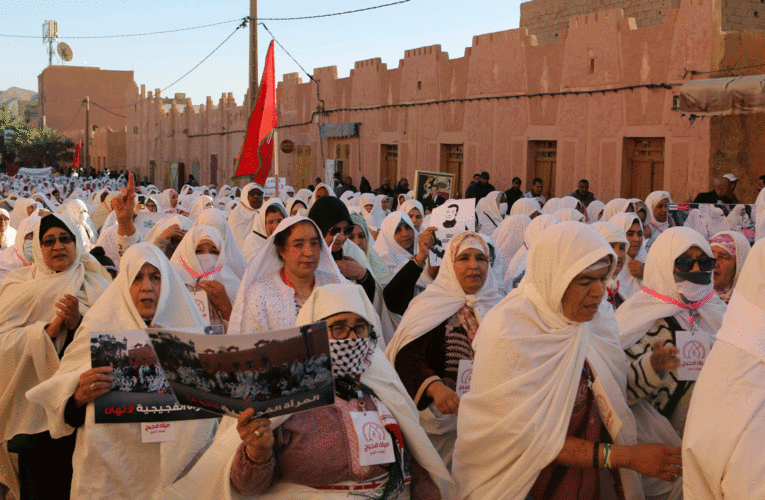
607	455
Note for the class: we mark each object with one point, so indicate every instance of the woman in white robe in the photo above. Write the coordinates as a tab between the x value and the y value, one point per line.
263	225
21	253
526	206
373	212
631	276
111	461
729	400
168	202
7	233
223	464
415	211
234	258
40	307
517	267
202	203
436	333
534	354
490	210
658	215
240	219
281	276
731	249
23	208
78	212
200	260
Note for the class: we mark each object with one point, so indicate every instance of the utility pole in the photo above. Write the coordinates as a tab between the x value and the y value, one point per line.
86	102
253	89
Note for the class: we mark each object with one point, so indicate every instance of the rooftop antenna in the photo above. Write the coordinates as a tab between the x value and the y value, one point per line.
50	35
65	51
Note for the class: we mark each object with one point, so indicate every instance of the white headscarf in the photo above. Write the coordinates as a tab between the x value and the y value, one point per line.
525	206
127	464
19	211
650	202
629	285
410	205
642	310
9	235
728	397
488	212
569	215
742	250
258	235
386	247
291	205
78	212
330	192
511	235
27	304
185	260
305	195
594	210
534	230
444	297
165	203
615	206
242	216
155	233
217	219
102	211
200	204
528	363
13	257
377	216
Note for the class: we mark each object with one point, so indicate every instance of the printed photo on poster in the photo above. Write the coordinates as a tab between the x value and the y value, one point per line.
276	373
432	189
709	219
140	391
450	219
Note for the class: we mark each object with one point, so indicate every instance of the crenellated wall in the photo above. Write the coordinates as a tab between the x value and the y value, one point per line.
484	118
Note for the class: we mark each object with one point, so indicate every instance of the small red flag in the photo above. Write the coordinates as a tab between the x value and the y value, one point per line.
77	154
258	147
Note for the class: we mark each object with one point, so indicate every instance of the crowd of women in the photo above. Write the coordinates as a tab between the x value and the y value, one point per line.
546	357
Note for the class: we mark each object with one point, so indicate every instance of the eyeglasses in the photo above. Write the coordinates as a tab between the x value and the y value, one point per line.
685	264
65	239
342	332
347	230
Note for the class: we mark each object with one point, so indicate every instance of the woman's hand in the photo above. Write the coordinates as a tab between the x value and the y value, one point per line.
425	241
664	356
446	399
68	309
93	383
636	268
171	232
653	460
216	292
123	206
257	436
350	269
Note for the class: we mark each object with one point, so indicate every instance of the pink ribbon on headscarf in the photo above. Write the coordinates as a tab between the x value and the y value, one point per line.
16	251
202	276
692	306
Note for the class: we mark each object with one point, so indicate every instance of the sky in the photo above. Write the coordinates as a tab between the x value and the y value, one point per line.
159	60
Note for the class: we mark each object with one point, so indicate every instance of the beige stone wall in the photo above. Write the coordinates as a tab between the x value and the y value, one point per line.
547	18
743	15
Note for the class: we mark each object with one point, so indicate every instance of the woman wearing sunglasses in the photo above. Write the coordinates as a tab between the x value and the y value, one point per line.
41	306
677	297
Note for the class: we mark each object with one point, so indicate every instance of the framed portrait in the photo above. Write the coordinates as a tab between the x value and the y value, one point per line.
425	181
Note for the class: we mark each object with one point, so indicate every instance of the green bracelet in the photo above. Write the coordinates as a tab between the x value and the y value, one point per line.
607	455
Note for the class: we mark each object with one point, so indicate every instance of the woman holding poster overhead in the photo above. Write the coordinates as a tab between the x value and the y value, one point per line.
111	460
432	346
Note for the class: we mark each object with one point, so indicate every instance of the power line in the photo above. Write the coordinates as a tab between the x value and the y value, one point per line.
286	51
75	118
331	15
694	72
133	34
107	110
649	86
244	24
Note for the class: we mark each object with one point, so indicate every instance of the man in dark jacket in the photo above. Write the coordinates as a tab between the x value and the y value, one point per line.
722	192
481	189
583	193
514	193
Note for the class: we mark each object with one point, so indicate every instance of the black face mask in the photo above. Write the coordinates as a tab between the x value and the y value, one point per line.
699	278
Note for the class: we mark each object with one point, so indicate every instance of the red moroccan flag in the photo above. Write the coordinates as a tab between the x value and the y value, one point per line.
77	154
258	147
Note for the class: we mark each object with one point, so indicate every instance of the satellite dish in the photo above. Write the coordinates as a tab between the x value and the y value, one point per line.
65	51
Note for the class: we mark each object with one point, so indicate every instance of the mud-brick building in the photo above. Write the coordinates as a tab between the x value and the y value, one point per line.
582	89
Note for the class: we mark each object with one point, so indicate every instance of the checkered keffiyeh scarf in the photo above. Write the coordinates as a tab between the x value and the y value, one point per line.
351	356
